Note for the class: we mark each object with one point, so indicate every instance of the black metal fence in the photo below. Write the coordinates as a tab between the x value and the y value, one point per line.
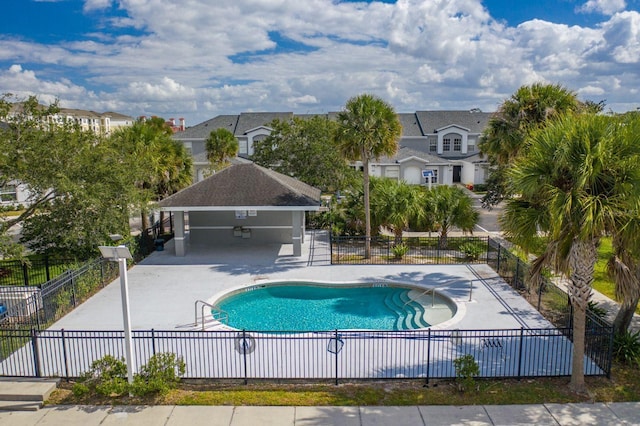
333	355
39	306
26	349
549	299
34	272
347	250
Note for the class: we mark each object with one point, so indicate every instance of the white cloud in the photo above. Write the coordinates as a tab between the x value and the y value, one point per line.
91	5
197	58
606	7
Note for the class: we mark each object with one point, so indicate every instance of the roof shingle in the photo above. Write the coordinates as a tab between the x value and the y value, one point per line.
246	185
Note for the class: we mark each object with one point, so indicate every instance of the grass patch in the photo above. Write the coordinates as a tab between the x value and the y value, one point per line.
601	280
622	387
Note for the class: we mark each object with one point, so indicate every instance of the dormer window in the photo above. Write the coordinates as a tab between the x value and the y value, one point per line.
446	144
457	144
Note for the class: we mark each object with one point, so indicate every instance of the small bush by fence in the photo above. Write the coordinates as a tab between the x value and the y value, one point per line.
347	250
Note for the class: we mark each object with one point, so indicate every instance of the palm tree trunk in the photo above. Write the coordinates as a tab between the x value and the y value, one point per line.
624	316
367	208
444	238
582	260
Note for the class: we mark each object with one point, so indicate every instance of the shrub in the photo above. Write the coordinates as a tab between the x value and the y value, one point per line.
626	347
399	250
107	377
473	250
466	370
596	310
159	375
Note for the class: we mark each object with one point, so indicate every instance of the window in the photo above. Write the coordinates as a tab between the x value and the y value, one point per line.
433	145
471	148
188	146
446	144
392	172
457	144
8	193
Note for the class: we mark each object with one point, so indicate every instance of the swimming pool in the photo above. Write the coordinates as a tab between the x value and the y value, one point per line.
303	306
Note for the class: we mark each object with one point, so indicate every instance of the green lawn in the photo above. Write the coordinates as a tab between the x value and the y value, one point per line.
601	280
623	386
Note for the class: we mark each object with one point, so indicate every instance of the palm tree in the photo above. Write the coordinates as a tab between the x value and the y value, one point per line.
162	165
395	204
447	207
368	128
221	145
575	182
529	108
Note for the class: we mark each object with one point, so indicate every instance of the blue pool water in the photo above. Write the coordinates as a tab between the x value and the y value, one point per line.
301	307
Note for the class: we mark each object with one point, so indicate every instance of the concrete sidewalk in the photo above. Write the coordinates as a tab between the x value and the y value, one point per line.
537	414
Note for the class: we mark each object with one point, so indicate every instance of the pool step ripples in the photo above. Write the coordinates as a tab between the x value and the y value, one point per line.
415	317
409	314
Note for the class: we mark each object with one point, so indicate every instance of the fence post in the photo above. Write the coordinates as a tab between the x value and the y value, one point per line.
64	355
520	353
498	266
335	336
486	256
153	342
25	274
428	355
244	356
330	247
516	277
46	267
73	288
34	349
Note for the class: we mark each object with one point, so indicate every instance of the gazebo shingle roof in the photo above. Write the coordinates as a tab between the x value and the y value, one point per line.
245	185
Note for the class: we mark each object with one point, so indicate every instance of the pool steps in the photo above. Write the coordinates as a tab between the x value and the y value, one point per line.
415	312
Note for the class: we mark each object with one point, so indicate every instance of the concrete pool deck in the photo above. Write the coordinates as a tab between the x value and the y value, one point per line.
164	288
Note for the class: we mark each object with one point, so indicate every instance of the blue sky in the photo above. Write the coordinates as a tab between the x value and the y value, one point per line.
198	58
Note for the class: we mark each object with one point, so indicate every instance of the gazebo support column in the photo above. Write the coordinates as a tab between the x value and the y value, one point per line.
296	232
178	225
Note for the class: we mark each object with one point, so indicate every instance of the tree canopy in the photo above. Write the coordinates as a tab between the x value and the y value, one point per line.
221	145
395	204
529	108
80	188
304	148
159	165
83	186
448	207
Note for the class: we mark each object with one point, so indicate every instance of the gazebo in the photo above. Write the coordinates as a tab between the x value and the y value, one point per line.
244	204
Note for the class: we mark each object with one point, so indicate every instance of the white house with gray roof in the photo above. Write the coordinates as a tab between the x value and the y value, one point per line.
440	144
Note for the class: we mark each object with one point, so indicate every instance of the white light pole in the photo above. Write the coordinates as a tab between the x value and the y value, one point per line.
120	254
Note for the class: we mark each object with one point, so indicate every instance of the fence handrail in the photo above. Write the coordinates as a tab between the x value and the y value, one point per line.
432	290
